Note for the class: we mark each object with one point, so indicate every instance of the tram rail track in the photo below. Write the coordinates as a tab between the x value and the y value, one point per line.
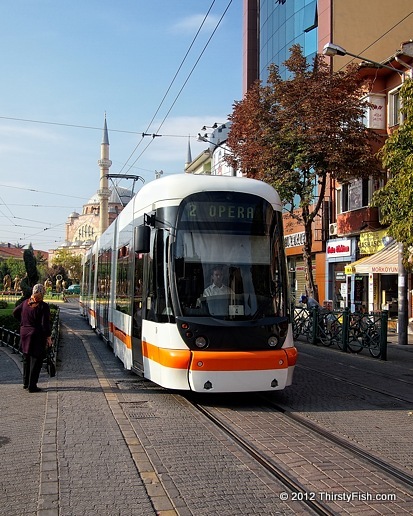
288	479
372	459
358	384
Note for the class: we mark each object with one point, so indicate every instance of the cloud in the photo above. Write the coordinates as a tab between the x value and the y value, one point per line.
192	23
28	131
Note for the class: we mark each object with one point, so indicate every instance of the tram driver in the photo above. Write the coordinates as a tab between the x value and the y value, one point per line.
217	287
217	294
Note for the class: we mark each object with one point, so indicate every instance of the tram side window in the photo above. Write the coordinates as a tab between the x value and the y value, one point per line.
104	263
190	281
124	294
86	279
159	306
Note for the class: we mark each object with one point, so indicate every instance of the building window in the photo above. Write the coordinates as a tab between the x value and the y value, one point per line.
394	102
354	195
338	201
85	232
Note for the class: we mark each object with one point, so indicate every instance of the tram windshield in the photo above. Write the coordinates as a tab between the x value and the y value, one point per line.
228	257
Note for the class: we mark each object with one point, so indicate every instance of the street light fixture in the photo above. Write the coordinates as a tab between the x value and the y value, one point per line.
204	138
331	50
215	126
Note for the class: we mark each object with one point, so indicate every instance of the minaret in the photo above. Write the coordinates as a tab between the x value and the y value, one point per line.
188	155
104	192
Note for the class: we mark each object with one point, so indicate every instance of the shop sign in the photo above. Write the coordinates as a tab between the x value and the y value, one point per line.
340	276
349	269
294	240
376	114
371	242
384	269
337	248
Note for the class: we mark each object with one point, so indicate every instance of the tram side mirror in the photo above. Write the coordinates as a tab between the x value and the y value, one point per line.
142	239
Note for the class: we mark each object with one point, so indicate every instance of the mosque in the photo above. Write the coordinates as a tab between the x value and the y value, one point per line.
82	229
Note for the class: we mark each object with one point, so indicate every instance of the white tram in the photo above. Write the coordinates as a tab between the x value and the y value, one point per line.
145	286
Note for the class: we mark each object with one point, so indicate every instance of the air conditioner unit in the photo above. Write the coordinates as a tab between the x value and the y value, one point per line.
332	230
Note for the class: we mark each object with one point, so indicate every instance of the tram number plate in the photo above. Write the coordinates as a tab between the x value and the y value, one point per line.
236	310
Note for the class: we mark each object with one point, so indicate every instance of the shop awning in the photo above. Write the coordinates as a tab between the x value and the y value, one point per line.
383	262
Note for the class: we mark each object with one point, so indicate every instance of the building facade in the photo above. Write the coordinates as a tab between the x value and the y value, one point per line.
374	29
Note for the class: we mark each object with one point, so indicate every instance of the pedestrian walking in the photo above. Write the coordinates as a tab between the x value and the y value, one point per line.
35	335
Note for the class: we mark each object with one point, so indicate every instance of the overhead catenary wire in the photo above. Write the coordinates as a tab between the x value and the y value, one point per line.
184	84
170	85
169	135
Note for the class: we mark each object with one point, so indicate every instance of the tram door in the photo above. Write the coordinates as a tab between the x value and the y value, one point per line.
137	355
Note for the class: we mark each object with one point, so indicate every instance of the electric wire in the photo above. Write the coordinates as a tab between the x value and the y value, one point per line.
187	79
161	103
382	36
169	87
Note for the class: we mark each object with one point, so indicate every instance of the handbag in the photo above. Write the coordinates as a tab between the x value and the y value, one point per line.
51	363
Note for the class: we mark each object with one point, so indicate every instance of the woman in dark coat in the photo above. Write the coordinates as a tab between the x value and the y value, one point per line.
35	335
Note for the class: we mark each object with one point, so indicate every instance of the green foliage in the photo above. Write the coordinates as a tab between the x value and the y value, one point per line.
9	322
42	266
13	267
395	198
71	263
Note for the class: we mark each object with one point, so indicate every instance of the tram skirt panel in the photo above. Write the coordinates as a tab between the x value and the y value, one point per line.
239	371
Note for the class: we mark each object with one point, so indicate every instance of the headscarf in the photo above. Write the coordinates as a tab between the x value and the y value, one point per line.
37	295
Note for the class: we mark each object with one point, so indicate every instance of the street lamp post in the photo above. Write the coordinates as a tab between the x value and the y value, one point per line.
330	49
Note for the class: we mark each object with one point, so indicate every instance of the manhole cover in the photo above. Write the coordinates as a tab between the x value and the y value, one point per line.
138	409
133	384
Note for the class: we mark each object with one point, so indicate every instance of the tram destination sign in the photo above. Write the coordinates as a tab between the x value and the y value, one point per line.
223	212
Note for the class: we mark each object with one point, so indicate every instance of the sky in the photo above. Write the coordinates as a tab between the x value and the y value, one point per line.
165	67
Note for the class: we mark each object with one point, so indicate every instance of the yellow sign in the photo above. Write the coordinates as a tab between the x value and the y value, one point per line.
371	242
349	269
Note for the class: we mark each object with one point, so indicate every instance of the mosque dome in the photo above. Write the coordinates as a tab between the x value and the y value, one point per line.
118	195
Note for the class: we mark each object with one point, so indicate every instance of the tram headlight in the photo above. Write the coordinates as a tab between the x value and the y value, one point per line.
273	341
201	342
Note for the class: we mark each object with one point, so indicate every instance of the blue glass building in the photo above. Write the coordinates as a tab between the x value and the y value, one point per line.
283	23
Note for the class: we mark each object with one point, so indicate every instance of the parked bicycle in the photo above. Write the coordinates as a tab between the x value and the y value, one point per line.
302	323
352	331
330	328
364	333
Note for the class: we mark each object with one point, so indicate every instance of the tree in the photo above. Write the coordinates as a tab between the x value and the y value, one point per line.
32	276
42	265
395	198
298	133
71	263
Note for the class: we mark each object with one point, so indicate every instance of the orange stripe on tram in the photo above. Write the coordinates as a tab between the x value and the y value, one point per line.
122	336
239	361
174	358
220	360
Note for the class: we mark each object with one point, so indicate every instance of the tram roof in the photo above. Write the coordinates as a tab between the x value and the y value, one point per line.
172	189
